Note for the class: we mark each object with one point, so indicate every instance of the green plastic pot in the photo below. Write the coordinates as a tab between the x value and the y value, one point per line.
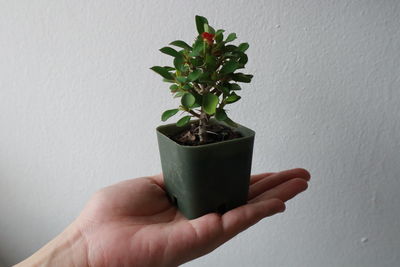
207	178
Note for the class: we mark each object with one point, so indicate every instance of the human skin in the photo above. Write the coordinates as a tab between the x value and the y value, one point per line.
133	223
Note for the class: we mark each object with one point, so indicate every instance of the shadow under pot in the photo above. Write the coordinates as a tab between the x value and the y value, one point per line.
207	178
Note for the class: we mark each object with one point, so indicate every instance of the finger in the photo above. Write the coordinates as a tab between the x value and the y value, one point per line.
212	230
208	236
275	179
241	218
257	177
159	180
207	226
284	191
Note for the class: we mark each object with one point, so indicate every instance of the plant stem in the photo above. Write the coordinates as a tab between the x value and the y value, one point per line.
202	127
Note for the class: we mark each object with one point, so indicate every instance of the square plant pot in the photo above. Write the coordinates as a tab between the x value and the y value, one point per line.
207	178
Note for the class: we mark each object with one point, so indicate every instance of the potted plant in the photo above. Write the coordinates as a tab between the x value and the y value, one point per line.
206	162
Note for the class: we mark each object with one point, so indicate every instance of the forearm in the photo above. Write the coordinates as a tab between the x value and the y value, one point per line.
67	249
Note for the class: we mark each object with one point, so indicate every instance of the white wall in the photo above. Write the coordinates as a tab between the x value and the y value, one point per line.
79	105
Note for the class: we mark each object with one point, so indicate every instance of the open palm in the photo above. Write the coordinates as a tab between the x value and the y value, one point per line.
133	223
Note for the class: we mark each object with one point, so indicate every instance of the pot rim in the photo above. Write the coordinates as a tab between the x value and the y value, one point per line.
246	132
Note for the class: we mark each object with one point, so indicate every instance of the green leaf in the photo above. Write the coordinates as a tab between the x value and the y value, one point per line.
181	79
170	51
240	77
230	122
187	87
242	58
194	75
196	62
179	94
163	72
179	62
224	90
199	100
210	102
230	37
230	55
243	47
206	28
219	36
168	81
234	86
205	77
220	114
197	48
174	88
230	48
200	21
211	29
229	67
183	121
188	100
168	68
181	44
214	76
168	114
232	98
211	62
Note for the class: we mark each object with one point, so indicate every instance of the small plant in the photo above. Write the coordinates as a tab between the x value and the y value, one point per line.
204	76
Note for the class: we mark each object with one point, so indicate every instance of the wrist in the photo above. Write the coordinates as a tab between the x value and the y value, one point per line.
67	249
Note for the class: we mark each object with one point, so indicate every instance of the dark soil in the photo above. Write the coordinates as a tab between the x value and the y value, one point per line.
215	133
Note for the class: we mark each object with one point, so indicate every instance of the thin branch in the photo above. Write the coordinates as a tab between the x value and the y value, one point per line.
207	89
202	87
197	88
193	113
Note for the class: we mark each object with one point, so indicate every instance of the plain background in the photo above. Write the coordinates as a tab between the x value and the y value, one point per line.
79	107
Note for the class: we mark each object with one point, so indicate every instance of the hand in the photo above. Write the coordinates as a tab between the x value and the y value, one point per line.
133	223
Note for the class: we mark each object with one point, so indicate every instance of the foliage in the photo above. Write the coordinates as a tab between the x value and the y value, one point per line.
205	75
